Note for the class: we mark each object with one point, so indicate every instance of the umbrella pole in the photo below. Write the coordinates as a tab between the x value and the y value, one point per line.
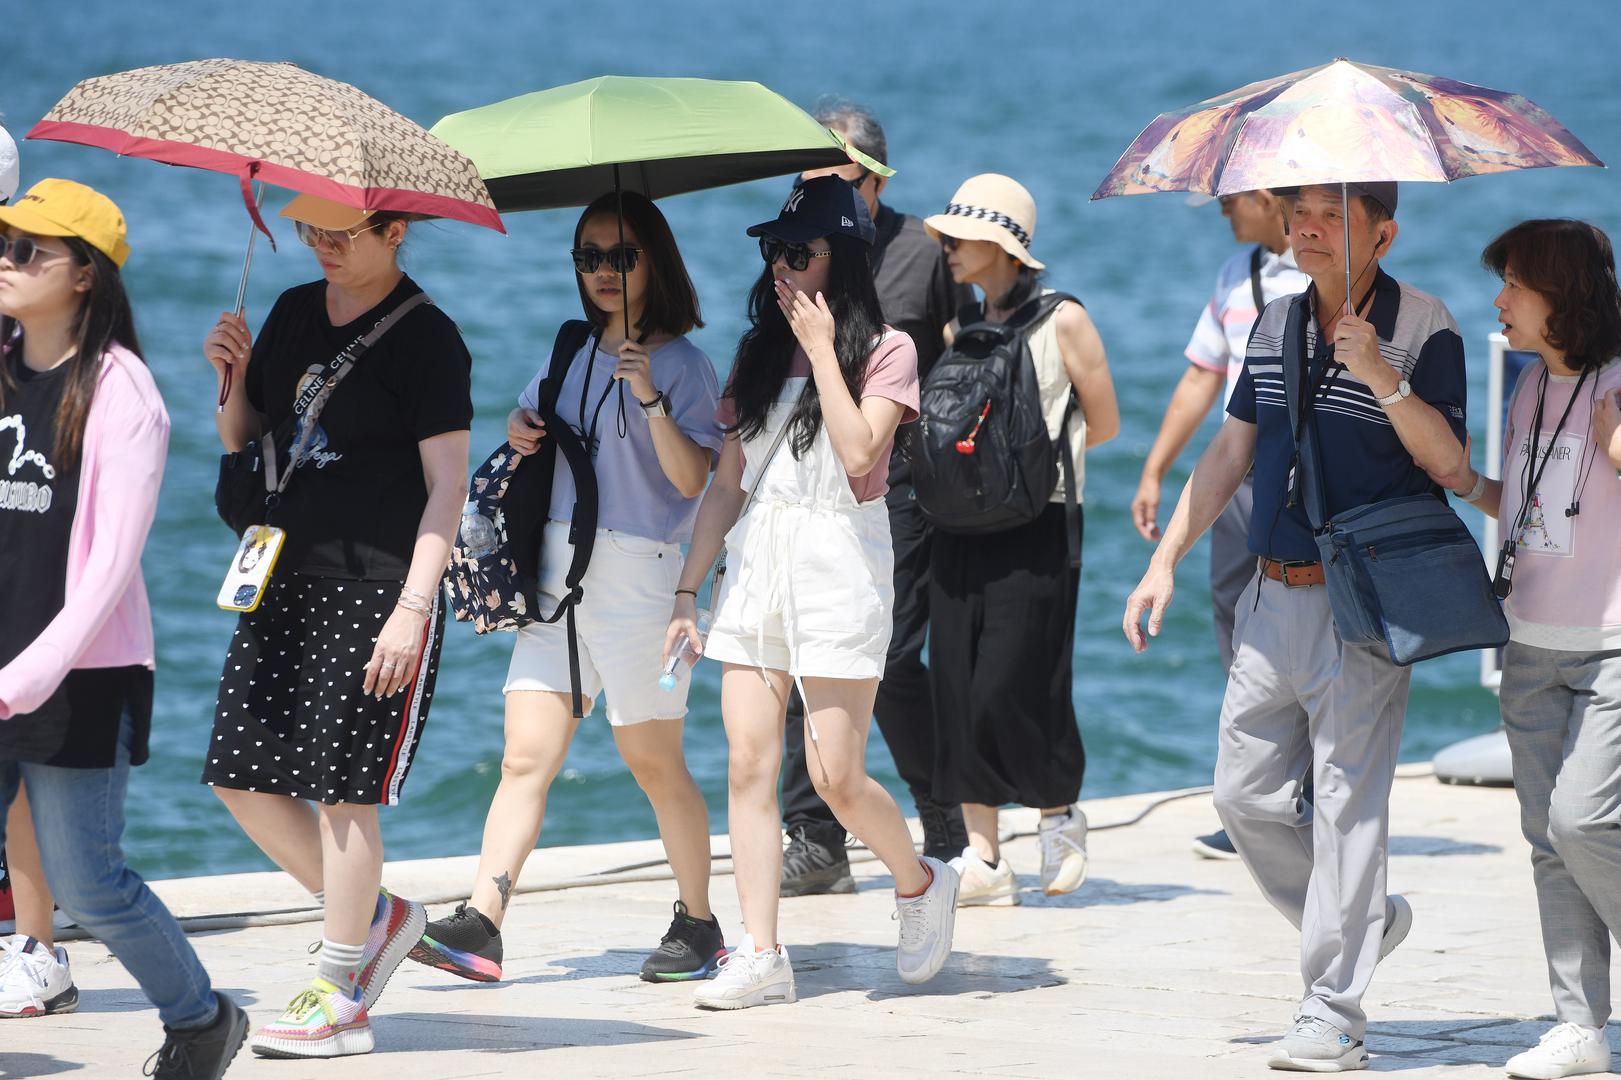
619	212
242	294
1345	222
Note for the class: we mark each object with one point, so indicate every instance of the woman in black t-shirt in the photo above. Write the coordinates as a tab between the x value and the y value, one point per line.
327	684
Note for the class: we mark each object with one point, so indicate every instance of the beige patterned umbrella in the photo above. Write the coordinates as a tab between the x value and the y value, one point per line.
277	123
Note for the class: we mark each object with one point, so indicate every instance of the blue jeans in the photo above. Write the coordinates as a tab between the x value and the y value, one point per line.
79	819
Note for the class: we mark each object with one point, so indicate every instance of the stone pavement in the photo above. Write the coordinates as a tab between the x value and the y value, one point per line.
1162	965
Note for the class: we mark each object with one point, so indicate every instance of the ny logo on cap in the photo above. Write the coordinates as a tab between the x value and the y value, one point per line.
795	197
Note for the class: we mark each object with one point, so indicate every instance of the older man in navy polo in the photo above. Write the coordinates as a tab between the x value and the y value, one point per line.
1387	399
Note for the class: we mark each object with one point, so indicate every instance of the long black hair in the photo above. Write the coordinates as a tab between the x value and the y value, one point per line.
104	319
671	304
760	367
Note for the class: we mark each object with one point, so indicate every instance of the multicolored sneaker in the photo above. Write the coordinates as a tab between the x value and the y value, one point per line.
691	949
396	927
34	980
465	944
321	1021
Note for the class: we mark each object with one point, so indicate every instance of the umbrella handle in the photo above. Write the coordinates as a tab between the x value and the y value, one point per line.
242	286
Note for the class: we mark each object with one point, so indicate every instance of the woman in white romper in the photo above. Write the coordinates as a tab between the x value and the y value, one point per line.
808	595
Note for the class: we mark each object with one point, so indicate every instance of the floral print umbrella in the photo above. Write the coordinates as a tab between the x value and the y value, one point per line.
1341	123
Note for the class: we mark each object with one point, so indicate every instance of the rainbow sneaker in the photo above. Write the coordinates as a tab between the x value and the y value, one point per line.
465	944
320	1022
395	928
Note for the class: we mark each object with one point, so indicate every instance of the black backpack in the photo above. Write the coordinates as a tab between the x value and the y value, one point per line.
501	590
982	461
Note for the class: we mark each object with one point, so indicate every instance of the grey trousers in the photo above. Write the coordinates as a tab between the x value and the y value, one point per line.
1231	565
1299	700
1563	715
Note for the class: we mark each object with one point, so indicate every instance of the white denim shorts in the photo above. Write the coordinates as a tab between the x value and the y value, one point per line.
621	622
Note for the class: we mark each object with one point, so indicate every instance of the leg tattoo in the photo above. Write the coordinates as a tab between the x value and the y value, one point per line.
503	885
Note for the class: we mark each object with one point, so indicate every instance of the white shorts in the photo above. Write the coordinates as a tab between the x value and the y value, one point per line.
621	622
836	597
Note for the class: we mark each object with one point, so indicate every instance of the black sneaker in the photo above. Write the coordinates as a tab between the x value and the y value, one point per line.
202	1053
466	944
944	834
815	862
691	949
1217	845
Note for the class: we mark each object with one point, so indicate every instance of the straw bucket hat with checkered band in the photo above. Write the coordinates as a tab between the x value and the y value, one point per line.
991	207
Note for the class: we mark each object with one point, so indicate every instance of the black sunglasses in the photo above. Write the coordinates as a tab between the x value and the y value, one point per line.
621	258
949	243
797	256
23	250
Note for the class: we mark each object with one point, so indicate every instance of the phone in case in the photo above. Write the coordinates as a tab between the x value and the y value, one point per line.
249	574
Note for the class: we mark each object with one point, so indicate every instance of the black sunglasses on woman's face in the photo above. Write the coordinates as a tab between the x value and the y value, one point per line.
621	258
797	256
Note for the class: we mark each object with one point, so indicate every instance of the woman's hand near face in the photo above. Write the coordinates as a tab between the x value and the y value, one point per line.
636	368
811	321
525	429
229	344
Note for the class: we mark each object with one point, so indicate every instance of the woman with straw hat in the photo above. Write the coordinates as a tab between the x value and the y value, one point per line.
1002	604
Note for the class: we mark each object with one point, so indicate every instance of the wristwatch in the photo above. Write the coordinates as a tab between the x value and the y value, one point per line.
659	406
1403	389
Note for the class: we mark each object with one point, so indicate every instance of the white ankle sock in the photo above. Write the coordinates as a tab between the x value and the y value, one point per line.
340	965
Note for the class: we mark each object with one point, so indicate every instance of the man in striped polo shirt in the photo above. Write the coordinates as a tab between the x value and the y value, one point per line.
1386	393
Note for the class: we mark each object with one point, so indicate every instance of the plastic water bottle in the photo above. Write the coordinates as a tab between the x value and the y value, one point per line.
685	657
477	533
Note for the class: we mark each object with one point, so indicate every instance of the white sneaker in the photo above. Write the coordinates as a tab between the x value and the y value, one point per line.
1398	923
982	885
1315	1045
34	980
748	978
1566	1050
927	922
1063	851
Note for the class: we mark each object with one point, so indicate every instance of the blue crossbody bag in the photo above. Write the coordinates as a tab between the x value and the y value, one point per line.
1403	574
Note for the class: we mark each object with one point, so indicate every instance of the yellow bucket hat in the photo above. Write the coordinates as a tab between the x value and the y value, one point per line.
67	208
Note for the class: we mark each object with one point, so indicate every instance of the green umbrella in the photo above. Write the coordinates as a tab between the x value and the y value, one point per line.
660	137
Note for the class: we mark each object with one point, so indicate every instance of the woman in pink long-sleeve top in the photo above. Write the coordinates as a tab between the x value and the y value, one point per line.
83	438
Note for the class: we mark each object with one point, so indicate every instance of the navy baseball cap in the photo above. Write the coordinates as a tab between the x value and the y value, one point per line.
823	206
1382	192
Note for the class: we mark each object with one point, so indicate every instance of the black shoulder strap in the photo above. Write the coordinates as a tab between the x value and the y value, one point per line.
1255	279
1305	467
570	337
1037	309
582	536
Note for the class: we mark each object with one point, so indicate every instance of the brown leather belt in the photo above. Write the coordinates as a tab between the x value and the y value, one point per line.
1294	575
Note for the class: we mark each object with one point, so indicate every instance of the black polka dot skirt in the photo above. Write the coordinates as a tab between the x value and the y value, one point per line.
291	717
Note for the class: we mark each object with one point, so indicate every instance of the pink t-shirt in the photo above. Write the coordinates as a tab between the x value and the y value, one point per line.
1567	568
891	373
